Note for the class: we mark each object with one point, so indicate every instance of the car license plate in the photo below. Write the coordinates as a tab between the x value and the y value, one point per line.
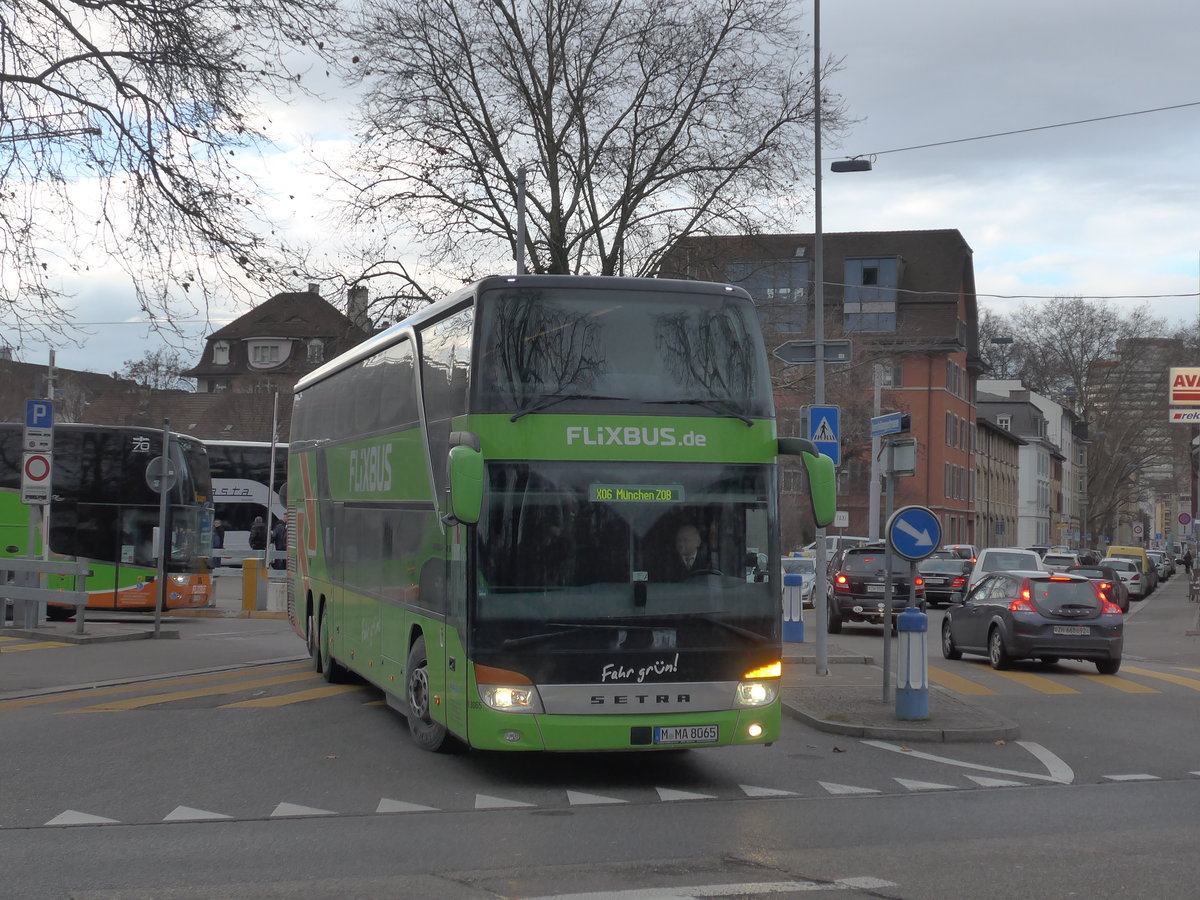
1072	629
935	580
874	588
686	734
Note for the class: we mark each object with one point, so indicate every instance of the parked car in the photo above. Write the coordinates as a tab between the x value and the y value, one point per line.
1060	562
1138	554
1164	564
857	585
1039	549
806	568
1035	615
999	559
1130	573
1109	580
834	543
945	578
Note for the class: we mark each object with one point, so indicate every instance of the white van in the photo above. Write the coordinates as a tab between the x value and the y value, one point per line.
1004	559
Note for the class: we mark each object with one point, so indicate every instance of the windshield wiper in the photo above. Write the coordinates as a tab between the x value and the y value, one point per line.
722	406
569	628
548	400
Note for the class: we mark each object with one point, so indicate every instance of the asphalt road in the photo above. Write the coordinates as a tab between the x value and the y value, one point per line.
264	782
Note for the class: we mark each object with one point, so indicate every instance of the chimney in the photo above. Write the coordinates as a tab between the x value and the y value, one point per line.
356	307
314	288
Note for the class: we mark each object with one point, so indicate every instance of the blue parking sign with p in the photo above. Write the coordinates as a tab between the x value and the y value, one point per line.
39	413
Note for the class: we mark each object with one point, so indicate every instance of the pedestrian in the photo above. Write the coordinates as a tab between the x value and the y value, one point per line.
279	542
258	534
1187	562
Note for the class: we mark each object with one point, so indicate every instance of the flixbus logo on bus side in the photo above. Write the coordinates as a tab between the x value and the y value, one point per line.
371	469
633	436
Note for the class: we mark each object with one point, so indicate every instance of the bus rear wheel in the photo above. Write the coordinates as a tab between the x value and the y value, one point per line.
428	734
332	670
59	613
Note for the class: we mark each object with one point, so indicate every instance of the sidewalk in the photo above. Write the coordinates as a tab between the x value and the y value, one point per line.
849	700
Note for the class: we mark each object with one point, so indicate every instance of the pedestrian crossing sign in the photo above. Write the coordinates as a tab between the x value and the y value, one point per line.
824	430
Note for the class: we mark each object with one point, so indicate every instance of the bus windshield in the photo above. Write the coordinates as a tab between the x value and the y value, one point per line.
540	347
562	546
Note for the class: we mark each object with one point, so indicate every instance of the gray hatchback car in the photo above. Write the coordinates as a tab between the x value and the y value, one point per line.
1035	615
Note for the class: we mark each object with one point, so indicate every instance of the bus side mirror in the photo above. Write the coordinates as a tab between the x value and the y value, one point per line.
822	478
466	483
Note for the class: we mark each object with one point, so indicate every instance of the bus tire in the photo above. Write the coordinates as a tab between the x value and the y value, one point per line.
428	734
333	671
59	613
314	650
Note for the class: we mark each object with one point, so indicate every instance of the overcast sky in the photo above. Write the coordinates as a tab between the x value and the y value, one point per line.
1105	209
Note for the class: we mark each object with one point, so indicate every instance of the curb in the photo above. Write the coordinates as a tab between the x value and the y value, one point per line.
1002	731
91	637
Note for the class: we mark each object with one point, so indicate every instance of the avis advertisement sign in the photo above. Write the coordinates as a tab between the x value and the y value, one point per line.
1185	386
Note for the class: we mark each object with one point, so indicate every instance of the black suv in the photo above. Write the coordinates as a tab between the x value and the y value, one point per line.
857	577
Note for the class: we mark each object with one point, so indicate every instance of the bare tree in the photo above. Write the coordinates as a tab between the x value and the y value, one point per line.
159	370
627	124
120	125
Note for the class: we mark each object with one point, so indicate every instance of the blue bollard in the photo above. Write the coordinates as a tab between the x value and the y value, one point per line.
793	621
912	665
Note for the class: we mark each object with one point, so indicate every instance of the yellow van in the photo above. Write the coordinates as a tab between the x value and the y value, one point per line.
1138	555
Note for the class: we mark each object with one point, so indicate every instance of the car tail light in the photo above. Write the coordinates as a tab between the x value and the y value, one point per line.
1110	609
841	583
958	582
1137	576
1024	603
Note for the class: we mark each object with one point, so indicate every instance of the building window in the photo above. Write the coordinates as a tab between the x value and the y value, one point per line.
220	353
264	355
316	350
869	294
1004	422
779	289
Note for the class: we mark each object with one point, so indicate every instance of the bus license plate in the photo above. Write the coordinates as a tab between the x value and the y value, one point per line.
686	734
1072	629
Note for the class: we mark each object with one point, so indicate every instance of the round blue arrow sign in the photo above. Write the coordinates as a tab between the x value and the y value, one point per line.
914	532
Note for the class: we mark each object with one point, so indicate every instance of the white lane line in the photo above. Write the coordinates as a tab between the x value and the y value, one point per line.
190	814
580	798
1134	777
744	889
984	781
1060	772
400	806
486	801
287	810
752	791
923	785
833	788
669	795
74	817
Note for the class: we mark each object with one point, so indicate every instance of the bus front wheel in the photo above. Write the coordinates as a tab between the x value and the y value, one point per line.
330	667
428	734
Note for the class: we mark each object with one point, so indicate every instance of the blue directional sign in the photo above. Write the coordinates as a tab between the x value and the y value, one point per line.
914	532
824	430
39	413
886	424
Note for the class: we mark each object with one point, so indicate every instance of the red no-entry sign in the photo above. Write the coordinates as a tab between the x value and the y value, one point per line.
35	478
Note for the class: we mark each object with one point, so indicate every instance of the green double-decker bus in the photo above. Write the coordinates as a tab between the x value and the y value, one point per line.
541	515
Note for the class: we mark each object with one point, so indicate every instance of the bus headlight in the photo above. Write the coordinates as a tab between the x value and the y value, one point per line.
761	685
180	580
507	691
757	693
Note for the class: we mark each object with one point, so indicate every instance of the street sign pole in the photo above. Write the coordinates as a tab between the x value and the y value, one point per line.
164	534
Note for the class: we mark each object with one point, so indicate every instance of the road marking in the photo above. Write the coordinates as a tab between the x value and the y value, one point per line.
1122	684
752	791
743	889
145	685
1059	771
672	796
211	691
399	806
188	814
923	785
290	810
1192	683
845	788
1140	777
73	817
317	693
957	683
34	645
579	798
984	781
1038	683
485	801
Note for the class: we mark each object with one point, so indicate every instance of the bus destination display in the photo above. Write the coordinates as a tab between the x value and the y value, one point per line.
635	493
